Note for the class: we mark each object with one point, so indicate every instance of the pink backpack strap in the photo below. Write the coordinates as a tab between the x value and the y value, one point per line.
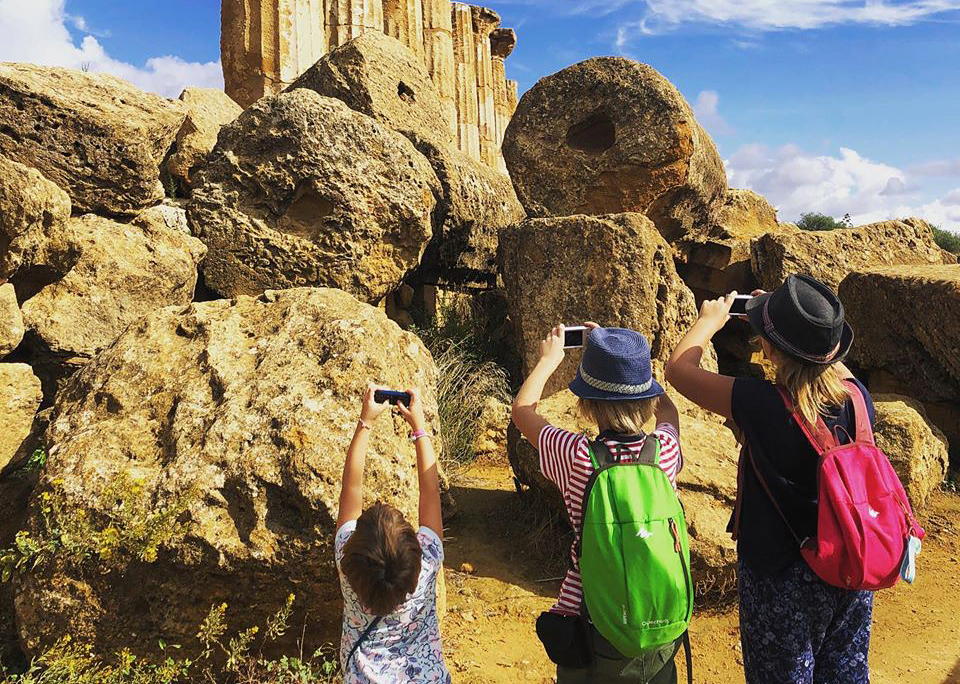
818	435
861	416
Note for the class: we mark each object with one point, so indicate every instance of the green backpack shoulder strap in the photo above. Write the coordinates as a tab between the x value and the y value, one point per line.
600	454
650	451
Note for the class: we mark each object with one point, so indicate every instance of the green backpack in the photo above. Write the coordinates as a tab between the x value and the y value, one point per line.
634	552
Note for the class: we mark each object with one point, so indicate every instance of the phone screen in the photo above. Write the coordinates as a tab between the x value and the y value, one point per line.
573	337
739	307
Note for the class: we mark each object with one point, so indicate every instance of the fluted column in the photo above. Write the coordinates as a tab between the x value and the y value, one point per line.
302	36
403	20
484	22
502	43
465	57
349	19
438	54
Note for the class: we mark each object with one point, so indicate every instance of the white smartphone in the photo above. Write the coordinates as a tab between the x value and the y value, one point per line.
739	307
574	336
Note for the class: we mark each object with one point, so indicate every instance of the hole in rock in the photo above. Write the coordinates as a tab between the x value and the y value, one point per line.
304	217
594	135
405	92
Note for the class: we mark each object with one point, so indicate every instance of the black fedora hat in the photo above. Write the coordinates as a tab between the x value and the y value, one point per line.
804	319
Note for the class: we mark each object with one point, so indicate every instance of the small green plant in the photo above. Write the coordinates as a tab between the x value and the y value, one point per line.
131	527
37	460
946	239
817	222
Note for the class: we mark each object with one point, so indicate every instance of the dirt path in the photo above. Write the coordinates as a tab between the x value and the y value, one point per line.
497	584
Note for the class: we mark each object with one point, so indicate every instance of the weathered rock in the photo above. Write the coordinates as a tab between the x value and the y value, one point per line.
249	403
916	448
94	135
30	207
907	325
20	398
302	190
616	270
165	217
121	272
208	110
15	489
379	76
610	135
707	484
830	255
717	261
11	320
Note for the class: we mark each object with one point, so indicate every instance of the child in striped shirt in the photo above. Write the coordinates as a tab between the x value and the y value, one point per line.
616	390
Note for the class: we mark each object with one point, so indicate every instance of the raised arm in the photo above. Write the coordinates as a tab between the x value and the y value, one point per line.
711	391
667	412
524	412
431	515
351	486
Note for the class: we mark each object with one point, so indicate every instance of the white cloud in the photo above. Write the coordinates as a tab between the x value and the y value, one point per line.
36	31
938	167
707	113
797	182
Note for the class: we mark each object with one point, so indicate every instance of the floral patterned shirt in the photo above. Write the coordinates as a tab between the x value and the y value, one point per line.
404	646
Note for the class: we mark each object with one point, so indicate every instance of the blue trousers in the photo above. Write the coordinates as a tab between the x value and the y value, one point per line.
797	629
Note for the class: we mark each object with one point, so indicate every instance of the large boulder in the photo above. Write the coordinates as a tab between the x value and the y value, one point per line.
382	78
96	136
916	448
707	483
120	272
208	110
15	489
616	270
236	414
907	325
30	208
611	135
11	320
302	190
20	398
830	255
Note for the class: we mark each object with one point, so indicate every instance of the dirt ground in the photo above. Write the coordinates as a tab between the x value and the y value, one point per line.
497	584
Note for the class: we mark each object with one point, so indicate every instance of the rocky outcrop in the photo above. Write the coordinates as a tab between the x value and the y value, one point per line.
616	270
379	76
830	255
31	207
208	110
15	489
610	135
11	320
907	341
707	484
20	398
717	260
237	413
119	273
302	190
94	135
916	448
163	216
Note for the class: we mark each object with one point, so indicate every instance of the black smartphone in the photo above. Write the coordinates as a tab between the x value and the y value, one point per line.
739	307
573	336
391	397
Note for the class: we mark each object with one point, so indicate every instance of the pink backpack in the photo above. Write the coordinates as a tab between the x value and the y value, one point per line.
864	519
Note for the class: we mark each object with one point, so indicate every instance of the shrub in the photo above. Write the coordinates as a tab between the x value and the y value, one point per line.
815	221
946	239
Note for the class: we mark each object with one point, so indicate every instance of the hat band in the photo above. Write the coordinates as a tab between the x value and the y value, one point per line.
786	346
616	387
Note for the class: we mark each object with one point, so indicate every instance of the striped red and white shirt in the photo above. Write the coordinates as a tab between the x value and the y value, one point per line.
565	460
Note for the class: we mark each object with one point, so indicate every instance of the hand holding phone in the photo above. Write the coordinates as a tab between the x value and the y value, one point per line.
739	307
393	397
574	336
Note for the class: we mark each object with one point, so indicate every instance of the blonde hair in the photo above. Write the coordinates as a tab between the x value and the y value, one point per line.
623	417
815	389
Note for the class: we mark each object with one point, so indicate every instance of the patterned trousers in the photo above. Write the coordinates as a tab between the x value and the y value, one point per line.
797	629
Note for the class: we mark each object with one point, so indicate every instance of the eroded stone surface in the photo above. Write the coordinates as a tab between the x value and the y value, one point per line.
11	320
208	110
20	398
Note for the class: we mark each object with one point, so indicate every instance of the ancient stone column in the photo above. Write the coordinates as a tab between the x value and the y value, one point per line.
266	44
438	54
465	59
403	20
484	22
349	19
502	43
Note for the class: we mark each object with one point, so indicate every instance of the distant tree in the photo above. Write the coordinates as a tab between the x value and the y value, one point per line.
815	221
947	240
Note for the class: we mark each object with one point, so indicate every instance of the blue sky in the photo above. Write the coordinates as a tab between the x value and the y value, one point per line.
821	105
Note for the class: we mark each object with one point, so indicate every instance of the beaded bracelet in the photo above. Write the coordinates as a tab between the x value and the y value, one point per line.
419	434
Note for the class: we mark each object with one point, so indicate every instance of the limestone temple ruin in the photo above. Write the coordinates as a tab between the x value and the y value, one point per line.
266	44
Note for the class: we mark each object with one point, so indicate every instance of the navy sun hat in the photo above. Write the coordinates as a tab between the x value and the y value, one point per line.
615	367
804	319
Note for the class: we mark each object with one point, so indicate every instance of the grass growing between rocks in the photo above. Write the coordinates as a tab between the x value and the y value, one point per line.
225	658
